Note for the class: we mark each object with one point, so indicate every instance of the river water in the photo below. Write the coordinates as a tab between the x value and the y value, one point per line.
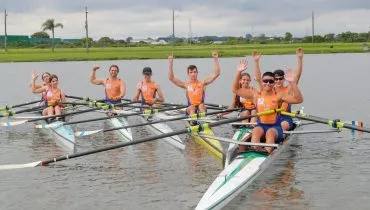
318	171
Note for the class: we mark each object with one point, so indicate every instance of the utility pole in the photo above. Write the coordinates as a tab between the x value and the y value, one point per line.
313	27
5	34
190	35
87	32
173	28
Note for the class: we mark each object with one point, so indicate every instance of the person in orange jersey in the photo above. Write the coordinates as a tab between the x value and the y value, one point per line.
115	88
285	121
148	89
53	96
194	88
268	99
46	79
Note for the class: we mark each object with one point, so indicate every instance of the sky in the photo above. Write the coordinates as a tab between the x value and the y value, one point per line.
141	19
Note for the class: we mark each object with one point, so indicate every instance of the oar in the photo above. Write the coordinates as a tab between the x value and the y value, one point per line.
237	142
194	129
85	98
13	123
332	123
11	113
7	107
145	112
191	117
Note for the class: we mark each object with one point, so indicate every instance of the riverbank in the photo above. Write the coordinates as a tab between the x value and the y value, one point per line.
161	52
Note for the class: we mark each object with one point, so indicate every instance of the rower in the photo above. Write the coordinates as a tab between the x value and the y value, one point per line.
115	88
54	96
285	121
268	126
194	88
148	90
46	79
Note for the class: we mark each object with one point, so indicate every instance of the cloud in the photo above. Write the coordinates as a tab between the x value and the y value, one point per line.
153	18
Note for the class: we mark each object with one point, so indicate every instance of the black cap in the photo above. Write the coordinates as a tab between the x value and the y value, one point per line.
279	73
147	70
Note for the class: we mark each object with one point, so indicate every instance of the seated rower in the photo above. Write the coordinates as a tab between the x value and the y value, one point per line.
53	96
148	90
268	126
194	88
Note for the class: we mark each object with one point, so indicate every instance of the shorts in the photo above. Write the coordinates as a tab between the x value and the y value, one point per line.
278	128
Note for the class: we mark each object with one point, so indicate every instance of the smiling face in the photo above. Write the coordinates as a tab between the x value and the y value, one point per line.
53	81
279	81
46	78
113	71
245	81
192	72
147	77
268	82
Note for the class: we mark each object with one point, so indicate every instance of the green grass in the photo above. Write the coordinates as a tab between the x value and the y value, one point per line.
158	52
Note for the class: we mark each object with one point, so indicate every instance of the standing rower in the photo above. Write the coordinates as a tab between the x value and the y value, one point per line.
268	126
285	121
194	88
115	88
148	90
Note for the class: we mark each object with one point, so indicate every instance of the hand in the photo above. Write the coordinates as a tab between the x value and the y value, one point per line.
152	100
290	75
170	59
243	65
34	75
134	99
96	67
218	116
300	53
215	54
256	55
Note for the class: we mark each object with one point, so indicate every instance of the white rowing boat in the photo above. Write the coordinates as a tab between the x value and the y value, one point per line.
125	133
239	172
63	133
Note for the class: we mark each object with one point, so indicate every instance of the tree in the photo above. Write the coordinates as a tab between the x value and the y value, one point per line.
50	24
329	37
129	39
288	37
105	41
40	34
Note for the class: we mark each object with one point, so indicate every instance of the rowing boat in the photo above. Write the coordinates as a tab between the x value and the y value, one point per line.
63	133
125	133
162	128
239	172
212	145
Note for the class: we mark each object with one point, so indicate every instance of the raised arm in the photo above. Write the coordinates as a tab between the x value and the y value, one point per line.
296	97
171	75
93	78
34	77
257	70
243	65
299	64
216	72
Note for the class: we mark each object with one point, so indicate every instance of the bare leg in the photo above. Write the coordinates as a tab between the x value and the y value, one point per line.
271	136
202	108
57	110
253	119
285	125
45	111
50	111
191	110
244	114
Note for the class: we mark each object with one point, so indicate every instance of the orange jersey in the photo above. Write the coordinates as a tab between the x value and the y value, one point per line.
195	92
285	105
112	88
53	97
265	103
148	90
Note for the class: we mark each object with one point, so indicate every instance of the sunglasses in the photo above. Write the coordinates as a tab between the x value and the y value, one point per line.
279	78
270	81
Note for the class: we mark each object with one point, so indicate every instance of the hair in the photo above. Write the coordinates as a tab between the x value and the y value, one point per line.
245	74
279	73
52	77
268	73
42	75
192	67
114	66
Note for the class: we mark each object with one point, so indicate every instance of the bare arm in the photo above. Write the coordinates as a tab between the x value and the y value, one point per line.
299	64
138	92
296	97
236	87
93	78
63	97
216	72
171	75
160	94
257	70
122	89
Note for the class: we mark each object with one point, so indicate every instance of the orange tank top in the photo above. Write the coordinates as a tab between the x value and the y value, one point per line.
148	90
53	97
112	88
195	92
265	103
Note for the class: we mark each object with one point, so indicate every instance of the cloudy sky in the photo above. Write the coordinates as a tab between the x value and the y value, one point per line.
153	18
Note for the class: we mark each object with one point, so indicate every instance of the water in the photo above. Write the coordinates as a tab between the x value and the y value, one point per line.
318	171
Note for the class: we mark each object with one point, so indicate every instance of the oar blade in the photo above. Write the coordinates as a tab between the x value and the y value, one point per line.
86	133
13	123
17	166
51	125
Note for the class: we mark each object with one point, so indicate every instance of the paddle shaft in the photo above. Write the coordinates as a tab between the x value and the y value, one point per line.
11	113
6	107
327	122
147	139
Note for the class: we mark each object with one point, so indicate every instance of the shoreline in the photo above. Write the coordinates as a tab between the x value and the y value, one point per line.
162	52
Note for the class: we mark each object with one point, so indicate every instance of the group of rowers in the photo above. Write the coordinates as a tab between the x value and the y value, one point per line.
270	94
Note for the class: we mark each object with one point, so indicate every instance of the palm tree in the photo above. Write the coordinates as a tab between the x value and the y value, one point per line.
50	24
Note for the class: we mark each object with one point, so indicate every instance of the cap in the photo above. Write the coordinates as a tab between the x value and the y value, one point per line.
147	70
279	73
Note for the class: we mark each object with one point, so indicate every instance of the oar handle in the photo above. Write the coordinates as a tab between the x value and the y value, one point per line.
7	107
